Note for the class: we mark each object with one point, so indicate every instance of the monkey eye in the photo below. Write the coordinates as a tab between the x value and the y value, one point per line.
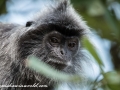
54	40
71	44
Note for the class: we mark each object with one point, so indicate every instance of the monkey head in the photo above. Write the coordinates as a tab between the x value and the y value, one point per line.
55	37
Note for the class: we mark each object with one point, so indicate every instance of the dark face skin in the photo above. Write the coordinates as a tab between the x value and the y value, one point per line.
61	49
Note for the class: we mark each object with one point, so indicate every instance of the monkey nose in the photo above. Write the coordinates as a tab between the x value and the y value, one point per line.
63	55
61	52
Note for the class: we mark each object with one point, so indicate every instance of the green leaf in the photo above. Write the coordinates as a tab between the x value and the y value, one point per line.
90	47
96	9
39	66
113	80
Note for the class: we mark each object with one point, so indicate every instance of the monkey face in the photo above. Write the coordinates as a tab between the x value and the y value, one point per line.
54	44
61	49
53	47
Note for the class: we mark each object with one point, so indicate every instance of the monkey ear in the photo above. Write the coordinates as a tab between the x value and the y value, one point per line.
29	23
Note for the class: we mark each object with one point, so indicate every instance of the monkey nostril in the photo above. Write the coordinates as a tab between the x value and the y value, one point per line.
61	52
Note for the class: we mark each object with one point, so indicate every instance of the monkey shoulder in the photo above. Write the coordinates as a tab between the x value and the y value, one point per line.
4	27
6	30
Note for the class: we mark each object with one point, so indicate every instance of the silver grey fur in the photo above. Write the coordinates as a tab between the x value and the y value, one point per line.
12	67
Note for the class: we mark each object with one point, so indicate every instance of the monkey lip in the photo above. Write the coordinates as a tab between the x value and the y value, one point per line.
59	64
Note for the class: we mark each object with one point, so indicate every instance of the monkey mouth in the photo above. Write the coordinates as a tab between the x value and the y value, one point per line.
58	63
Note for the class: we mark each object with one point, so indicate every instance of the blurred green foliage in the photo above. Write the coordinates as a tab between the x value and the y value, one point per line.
48	71
105	23
3	6
99	17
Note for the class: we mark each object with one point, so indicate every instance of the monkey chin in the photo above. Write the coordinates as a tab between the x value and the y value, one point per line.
59	64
